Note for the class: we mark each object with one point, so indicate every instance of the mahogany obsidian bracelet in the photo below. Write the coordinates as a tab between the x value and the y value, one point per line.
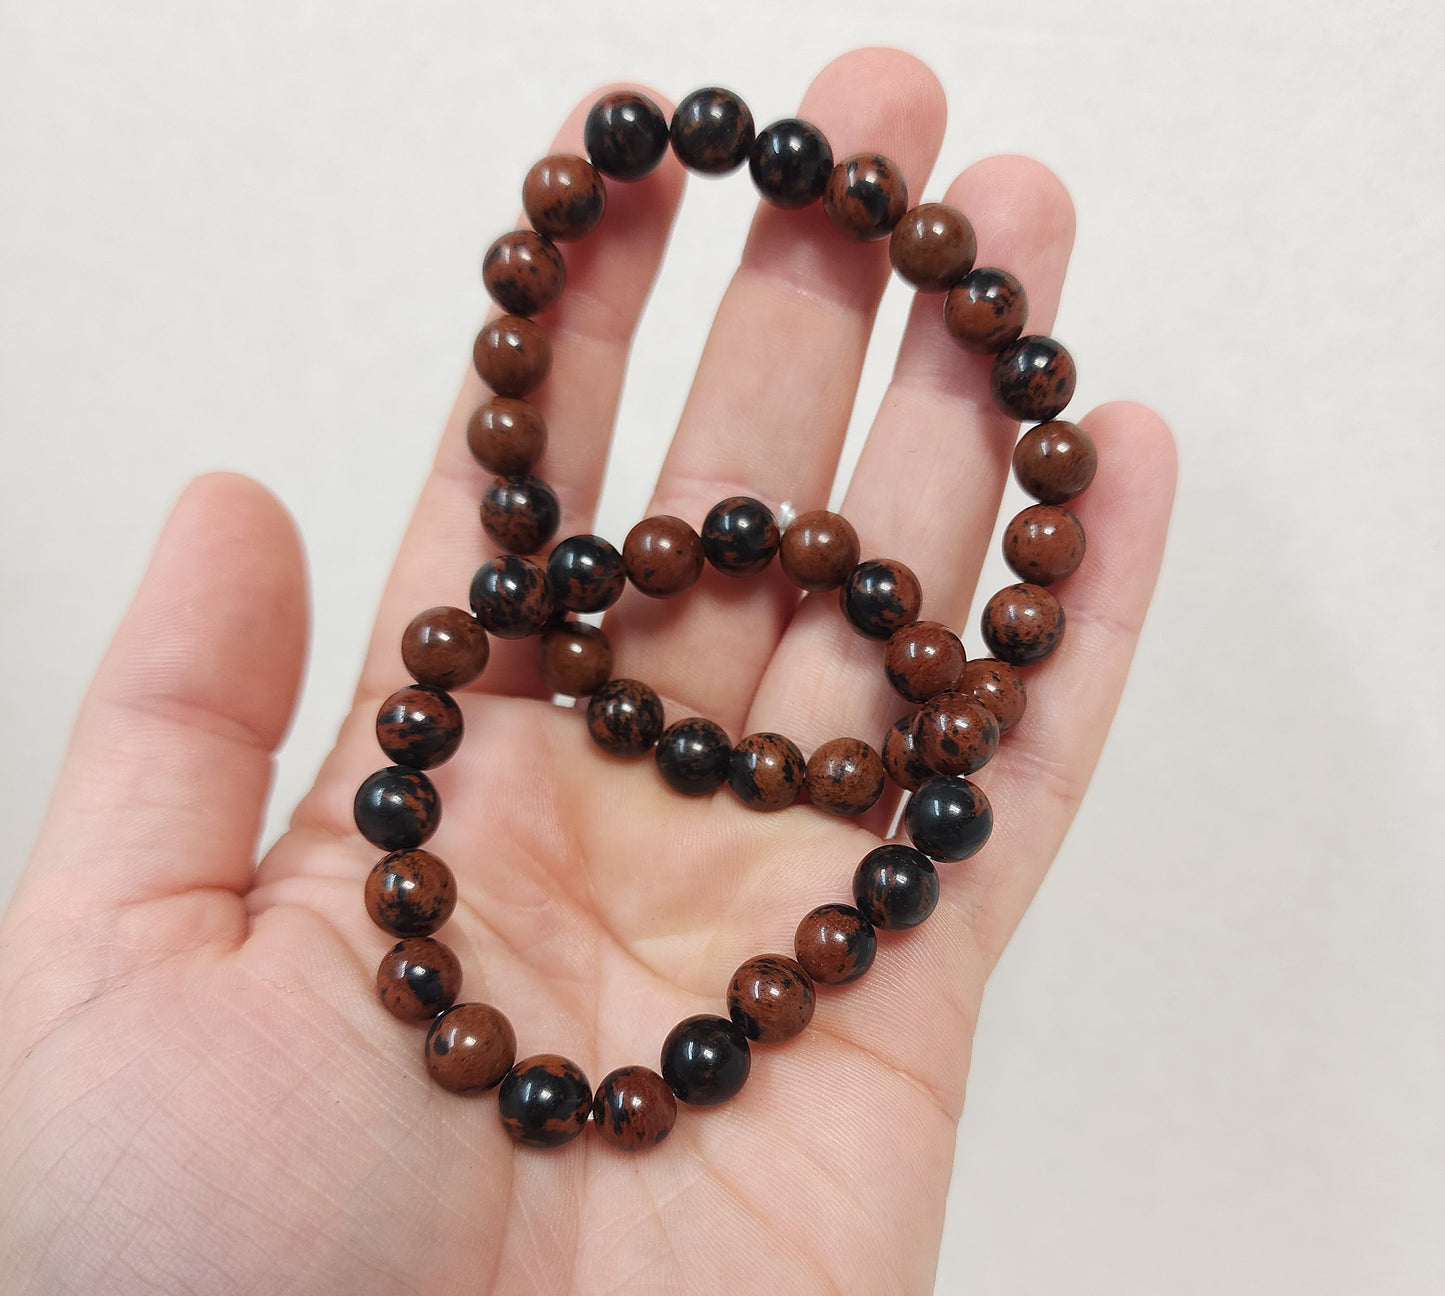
962	707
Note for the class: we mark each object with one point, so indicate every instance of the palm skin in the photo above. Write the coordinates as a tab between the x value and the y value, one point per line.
198	1089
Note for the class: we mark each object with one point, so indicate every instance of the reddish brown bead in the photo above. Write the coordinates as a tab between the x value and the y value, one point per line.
512	355
844	776
933	247
470	1048
1055	461
770	998
544	1101
998	686
523	272
418	978
511	596
866	196
1033	378
520	514
902	761
574	658
879	597
420	726
506	436
986	310
663	556
1044	544
835	944
922	659
818	550
624	717
410	893
564	196
956	734
1022	624
766	771
444	647
633	1109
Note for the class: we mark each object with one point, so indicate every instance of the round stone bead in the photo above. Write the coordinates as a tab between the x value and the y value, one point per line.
895	886
586	574
444	647
712	131
956	734
998	686
933	247
633	1109
948	818
694	756
902	760
523	272
922	659
544	1101
866	196
564	196
512	355
844	776
506	436
790	163
739	536
1055	461
511	596
770	998
705	1060
986	310
880	597
1032	378
1044	544
574	659
410	893
1022	624
766	771
818	550
470	1048
835	944
419	726
520	514
624	717
397	808
625	134
663	556
418	978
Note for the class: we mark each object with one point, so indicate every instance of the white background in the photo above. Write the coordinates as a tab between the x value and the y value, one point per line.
246	235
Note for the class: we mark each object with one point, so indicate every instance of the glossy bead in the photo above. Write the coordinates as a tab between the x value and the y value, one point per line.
418	978
511	596
544	1101
564	196
693	756
956	733
770	998
922	659
523	272
410	893
933	247
1055	461
844	776
397	808
625	134
512	355
705	1060
948	818
520	514
624	717
1044	544
506	436
790	163
739	536
633	1109
902	760
444	647
835	944
895	886
586	574
663	556
712	131
998	686
574	659
866	196
470	1048
1022	624
419	726
879	597
766	771
986	310
818	550
1032	378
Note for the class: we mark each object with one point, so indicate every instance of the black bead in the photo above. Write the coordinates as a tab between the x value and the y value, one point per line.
740	536
790	163
705	1060
520	513
879	597
693	756
948	818
625	135
624	717
586	574
712	131
511	597
397	808
1033	379
895	886
545	1101
419	726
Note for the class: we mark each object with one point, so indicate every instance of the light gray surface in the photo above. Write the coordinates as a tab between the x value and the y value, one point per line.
246	236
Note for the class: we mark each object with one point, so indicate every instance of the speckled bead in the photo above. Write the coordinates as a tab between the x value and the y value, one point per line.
625	135
712	131
419	726
956	733
1055	461
506	436
694	756
633	1109
544	1101
705	1060
998	686
844	776
895	886
586	574
902	760
948	818
397	808
410	893
739	536
574	659
523	272
770	998
790	163
932	247
663	556
564	196
1022	624
766	771
835	944
1032	378
922	659
470	1048
818	550
444	647
520	514
512	355
624	717
866	196
986	310
511	596
880	597
418	978
1044	544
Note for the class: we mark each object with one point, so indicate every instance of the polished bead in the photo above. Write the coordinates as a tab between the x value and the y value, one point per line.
410	893
444	647
506	436
586	574
524	272
1044	544
766	771
512	355
470	1048
564	196
739	536
902	761
998	686
1055	461
879	597
895	886
693	756
922	659
866	196
397	808
844	776
624	717
770	998
574	658
633	1109
818	550
835	944
712	131
790	163
544	1101
956	733
705	1060
511	596
986	310
663	556
1032	378
948	818
933	247
418	978
1022	624
520	514
625	134
419	726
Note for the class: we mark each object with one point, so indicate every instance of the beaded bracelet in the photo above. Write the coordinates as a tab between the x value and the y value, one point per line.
962	706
